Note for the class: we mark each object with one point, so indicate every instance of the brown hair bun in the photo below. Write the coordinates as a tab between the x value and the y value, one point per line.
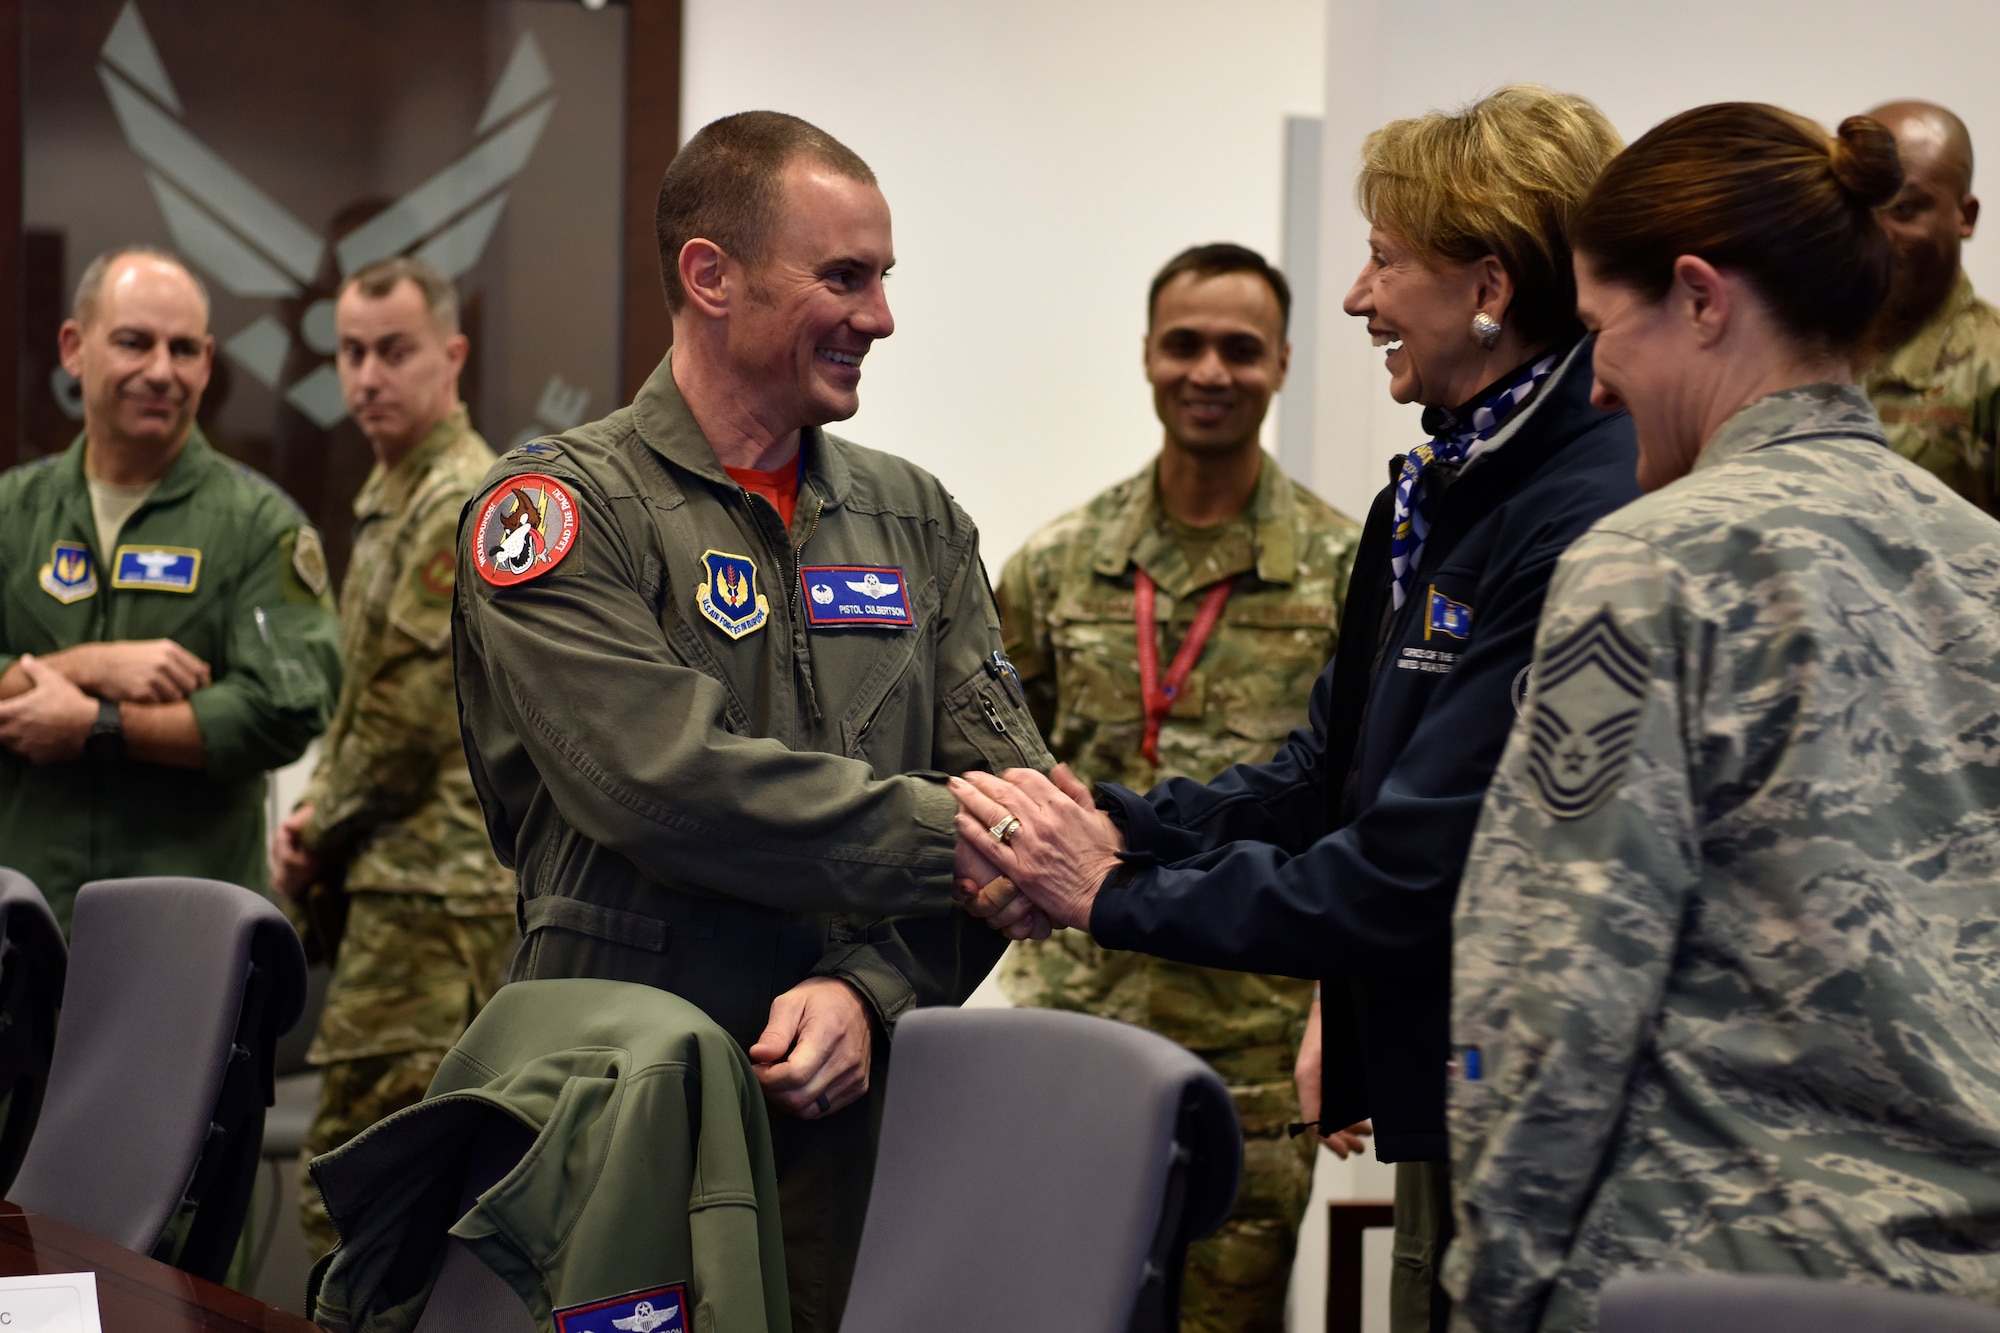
1865	161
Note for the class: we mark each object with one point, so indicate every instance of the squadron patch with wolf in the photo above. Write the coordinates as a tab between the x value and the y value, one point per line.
525	529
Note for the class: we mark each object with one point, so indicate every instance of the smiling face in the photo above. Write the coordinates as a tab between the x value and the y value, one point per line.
144	358
398	372
816	303
1420	308
1215	354
1646	360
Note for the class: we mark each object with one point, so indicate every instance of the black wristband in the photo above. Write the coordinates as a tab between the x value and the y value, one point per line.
106	741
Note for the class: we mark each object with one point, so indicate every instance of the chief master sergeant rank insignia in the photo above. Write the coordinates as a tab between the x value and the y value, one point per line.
1588	695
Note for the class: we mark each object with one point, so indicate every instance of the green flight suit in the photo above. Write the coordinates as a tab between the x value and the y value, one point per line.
252	603
703	790
1067	607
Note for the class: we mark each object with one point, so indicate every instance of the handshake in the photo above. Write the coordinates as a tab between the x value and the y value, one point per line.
1032	850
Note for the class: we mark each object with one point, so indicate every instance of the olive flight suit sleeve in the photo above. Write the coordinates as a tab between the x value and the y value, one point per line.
633	747
1568	923
983	724
404	717
276	685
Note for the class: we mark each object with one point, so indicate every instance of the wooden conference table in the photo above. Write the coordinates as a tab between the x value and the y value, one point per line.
134	1294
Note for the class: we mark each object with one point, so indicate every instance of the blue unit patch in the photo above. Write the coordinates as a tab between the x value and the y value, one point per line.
841	595
158	568
1447	616
70	575
660	1310
730	598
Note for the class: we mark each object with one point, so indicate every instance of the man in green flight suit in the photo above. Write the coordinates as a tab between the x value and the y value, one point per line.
388	834
1246	570
1936	384
714	665
166	634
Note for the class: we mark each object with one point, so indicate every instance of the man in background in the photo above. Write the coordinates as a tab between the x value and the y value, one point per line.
386	853
1936	383
1211	548
166	635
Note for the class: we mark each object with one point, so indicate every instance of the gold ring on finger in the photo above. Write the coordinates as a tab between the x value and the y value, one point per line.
1005	830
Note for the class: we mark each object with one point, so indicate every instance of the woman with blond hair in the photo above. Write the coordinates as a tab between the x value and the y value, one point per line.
1728	948
1340	859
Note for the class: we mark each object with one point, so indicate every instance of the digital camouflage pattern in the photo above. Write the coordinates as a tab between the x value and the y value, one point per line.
408	980
1067	615
1939	396
430	915
1727	952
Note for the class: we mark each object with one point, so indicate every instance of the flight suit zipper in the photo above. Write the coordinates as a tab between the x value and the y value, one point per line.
790	570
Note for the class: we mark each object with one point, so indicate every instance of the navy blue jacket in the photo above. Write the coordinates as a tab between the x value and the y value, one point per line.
1340	859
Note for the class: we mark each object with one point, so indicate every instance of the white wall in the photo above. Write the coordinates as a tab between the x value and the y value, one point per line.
1042	159
1640	63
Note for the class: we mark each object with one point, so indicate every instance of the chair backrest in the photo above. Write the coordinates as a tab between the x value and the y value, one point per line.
1081	1154
178	990
1743	1303
33	960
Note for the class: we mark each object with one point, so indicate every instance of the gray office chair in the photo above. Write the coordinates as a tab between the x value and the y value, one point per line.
33	960
178	990
1080	1154
1740	1303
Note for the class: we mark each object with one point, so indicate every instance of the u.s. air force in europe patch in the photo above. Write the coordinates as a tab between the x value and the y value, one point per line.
525	529
1589	692
729	597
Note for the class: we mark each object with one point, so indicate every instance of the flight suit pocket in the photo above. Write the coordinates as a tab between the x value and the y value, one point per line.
997	728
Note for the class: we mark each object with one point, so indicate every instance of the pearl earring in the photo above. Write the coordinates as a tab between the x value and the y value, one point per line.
1485	330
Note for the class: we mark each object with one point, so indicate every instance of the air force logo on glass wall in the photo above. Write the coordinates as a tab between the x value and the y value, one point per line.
252	246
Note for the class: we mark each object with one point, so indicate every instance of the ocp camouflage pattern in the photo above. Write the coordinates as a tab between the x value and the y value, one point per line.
1939	396
392	800
1727	952
1067	607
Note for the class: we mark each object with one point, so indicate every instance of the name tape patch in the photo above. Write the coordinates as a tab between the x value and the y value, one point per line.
70	575
660	1310
157	568
840	595
525	529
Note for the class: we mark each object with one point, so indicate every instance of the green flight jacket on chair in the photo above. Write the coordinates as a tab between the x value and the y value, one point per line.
252	602
651	1167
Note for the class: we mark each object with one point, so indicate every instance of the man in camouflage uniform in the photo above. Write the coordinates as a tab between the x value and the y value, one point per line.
1211	510
1725	961
1938	388
390	820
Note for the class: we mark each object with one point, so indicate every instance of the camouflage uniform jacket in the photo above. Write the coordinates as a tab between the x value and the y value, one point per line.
1067	613
1939	395
1727	952
391	796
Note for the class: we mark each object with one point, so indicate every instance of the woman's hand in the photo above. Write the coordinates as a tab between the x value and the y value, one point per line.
1061	852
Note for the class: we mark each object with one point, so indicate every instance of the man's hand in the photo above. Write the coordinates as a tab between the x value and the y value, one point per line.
987	895
1064	847
49	723
1306	1077
293	866
148	671
813	1057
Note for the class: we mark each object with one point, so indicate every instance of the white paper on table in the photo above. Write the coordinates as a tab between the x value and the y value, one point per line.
49	1303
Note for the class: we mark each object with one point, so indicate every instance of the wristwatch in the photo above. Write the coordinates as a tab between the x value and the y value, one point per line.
106	740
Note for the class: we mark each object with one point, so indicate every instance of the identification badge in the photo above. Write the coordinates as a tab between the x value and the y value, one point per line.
70	575
156	568
525	529
842	595
660	1310
730	598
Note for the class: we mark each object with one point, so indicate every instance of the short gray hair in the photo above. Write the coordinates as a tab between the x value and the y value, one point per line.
378	279
90	287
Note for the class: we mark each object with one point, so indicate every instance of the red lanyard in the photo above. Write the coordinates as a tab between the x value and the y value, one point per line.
1158	700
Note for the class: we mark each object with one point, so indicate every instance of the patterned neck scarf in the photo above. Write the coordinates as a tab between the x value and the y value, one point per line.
1458	441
